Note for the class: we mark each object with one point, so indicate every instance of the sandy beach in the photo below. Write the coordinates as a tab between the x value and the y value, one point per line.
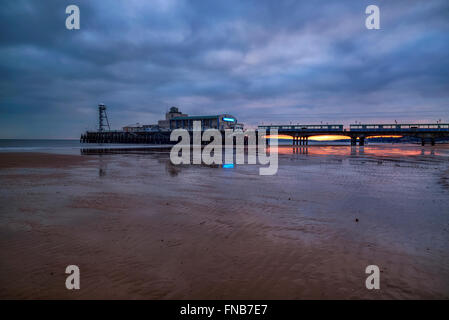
141	228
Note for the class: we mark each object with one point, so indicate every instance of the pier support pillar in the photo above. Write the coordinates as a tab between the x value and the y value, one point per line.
361	141
432	141
353	141
307	141
423	142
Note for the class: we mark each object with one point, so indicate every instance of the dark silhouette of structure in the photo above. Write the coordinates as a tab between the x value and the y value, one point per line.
103	121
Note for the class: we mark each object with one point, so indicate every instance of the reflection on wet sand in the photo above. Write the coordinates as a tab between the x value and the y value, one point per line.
102	166
327	150
374	150
124	150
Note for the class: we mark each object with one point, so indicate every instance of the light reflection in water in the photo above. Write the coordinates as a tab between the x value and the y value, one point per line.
372	150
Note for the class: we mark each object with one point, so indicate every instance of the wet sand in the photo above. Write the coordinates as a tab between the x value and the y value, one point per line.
140	228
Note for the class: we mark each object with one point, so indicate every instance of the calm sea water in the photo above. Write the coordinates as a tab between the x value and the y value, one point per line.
31	144
53	145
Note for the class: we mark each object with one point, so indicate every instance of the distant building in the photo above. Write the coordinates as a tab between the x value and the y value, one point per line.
175	119
133	128
220	122
173	113
150	127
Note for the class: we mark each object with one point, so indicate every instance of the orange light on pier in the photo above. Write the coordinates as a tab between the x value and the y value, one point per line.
279	137
370	137
329	138
314	138
325	137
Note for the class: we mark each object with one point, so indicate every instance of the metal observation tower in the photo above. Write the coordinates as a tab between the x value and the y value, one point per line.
103	122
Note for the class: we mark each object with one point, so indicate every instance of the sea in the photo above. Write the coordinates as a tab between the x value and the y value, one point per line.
65	146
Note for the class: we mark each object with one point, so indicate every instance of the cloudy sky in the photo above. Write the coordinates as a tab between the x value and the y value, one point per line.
262	61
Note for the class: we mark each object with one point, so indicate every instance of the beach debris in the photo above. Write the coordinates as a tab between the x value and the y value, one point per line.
356	220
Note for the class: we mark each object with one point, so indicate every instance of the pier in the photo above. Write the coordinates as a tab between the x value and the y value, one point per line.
300	133
117	136
174	119
359	132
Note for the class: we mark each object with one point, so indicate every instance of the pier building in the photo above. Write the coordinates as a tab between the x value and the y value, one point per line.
220	122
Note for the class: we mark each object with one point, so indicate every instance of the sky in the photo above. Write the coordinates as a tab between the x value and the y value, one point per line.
265	62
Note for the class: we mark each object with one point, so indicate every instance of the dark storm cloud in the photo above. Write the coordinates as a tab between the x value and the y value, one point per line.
262	61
